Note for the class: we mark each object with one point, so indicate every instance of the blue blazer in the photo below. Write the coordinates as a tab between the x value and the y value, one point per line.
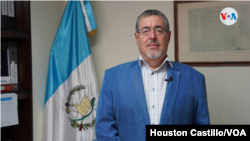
122	112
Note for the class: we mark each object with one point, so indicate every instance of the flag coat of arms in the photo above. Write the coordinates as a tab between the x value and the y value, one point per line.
71	92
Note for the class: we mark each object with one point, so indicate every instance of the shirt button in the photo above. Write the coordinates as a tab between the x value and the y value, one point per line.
152	73
153	89
153	106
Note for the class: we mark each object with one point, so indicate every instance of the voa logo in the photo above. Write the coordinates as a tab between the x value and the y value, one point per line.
228	16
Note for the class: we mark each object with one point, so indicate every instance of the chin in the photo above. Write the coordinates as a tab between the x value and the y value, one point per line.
154	55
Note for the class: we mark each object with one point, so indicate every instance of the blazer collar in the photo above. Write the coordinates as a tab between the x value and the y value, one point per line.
170	94
136	78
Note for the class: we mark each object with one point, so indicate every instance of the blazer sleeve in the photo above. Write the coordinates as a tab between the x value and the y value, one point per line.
202	115
105	120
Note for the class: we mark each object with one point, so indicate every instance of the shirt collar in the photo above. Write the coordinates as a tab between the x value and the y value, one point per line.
141	61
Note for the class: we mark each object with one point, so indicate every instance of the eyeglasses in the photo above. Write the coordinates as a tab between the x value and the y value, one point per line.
147	30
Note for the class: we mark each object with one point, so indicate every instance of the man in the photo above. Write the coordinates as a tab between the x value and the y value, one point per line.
150	90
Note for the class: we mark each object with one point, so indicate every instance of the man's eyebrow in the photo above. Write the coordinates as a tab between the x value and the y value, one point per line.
158	26
145	27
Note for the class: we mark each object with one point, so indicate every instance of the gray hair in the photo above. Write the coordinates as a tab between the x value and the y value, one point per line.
149	13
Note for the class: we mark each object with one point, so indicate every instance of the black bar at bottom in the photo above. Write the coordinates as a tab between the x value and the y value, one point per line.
163	132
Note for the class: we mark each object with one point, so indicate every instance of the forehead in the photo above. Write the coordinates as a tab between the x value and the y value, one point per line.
151	21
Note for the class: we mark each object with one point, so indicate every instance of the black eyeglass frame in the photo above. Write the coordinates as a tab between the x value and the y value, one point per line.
151	29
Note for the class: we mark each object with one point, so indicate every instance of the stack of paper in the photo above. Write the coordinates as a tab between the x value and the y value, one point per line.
9	115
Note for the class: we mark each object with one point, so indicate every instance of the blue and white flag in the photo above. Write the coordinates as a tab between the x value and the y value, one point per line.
71	91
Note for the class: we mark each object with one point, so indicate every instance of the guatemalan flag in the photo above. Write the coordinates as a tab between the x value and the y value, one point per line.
71	91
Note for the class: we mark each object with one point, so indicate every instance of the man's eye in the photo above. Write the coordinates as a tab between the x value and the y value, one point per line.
159	31
145	31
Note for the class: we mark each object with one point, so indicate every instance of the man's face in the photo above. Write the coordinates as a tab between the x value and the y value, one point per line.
152	46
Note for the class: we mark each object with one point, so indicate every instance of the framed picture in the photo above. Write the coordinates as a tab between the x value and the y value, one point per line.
203	39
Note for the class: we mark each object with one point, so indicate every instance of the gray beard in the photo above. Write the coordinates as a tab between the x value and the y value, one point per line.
153	55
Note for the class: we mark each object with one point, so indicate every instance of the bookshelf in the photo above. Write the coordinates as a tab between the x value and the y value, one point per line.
21	34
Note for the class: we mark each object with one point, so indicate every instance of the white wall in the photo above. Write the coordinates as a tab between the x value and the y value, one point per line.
228	91
45	19
228	88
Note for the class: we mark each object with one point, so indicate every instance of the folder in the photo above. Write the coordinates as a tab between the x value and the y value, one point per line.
11	15
4	62
4	14
5	72
8	20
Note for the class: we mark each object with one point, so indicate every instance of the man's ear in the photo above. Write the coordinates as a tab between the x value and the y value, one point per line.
136	37
169	35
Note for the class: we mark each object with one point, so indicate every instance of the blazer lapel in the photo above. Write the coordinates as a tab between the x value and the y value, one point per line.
170	95
136	78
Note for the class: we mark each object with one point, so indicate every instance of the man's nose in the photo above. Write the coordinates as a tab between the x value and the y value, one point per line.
152	34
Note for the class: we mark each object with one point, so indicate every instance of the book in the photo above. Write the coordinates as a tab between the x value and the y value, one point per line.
5	80
7	88
9	61
12	47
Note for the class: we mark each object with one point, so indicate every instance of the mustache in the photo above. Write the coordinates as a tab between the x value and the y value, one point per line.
155	42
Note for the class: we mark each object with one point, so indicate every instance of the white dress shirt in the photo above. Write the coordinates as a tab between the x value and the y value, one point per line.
154	87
